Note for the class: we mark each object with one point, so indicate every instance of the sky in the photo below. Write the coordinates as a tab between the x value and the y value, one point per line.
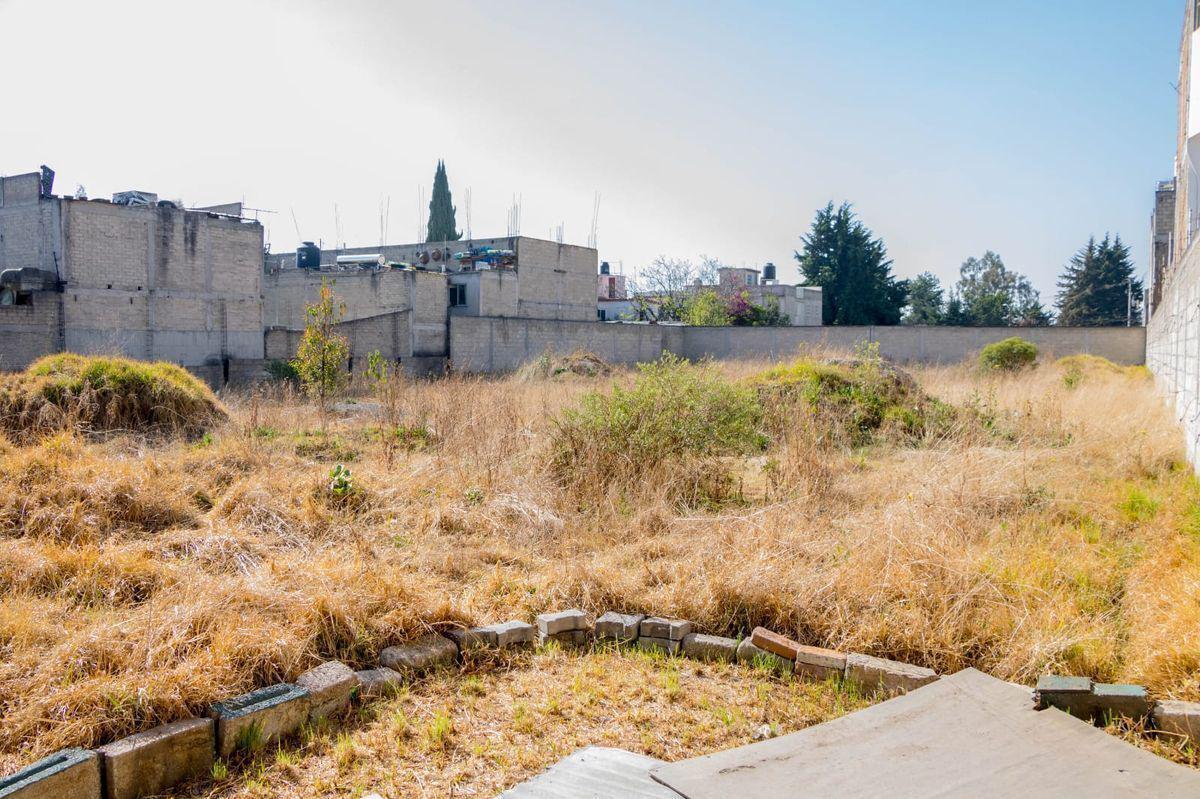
707	128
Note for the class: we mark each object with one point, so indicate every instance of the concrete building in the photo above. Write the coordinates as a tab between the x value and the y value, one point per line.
398	298
613	303
801	304
132	276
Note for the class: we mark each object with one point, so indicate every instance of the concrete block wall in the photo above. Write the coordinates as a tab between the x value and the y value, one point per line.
481	344
27	332
1173	347
484	344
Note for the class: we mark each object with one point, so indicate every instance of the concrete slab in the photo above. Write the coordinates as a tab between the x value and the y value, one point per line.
67	772
150	762
595	773
964	735
259	718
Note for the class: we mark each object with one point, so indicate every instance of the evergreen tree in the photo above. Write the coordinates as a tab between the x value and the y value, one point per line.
441	226
1095	287
842	256
926	302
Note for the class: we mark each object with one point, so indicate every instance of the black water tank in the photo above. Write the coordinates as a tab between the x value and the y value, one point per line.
308	256
604	267
769	272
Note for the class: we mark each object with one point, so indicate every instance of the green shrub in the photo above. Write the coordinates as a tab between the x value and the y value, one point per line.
1010	355
853	400
97	394
283	371
675	412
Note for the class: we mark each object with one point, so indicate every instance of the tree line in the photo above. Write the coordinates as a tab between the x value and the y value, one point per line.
1097	287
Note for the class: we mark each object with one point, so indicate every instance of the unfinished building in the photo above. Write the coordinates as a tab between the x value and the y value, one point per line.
133	276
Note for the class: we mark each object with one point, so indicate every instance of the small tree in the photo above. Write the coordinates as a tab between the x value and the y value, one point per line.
386	384
320	360
705	309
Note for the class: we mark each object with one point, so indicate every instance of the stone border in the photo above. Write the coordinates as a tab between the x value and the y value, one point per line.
155	760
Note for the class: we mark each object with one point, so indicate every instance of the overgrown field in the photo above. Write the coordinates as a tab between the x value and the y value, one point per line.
1019	523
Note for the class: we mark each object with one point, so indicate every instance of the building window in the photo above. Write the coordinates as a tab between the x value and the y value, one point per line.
602	315
458	295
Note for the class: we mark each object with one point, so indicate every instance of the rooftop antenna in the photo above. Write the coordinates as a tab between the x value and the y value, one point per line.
297	224
420	217
337	228
561	226
387	218
469	213
595	222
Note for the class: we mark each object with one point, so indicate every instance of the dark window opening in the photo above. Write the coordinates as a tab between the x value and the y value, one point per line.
458	295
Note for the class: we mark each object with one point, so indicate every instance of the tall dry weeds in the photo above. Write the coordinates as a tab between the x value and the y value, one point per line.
1056	528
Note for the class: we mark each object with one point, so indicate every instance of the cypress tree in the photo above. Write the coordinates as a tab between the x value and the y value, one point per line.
1095	287
441	226
843	257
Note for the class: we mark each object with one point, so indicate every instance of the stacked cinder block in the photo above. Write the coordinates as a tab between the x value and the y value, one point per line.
619	628
665	635
1085	699
568	627
874	673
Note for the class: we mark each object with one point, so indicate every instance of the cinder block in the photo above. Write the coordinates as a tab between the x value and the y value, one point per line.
512	634
751	655
770	641
150	762
66	773
569	638
329	687
650	644
1069	694
563	622
887	675
1178	718
818	663
619	627
1130	701
473	638
374	683
710	648
670	629
260	717
422	654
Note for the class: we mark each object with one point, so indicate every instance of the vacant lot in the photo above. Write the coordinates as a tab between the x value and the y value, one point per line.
1019	524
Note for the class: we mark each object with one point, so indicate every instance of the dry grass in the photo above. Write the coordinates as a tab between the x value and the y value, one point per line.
480	733
140	580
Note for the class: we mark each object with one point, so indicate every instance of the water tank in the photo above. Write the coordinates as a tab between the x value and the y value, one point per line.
769	272
308	256
604	268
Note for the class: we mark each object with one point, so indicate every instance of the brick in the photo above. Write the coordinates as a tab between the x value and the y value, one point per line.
473	639
770	641
73	773
422	654
153	761
671	629
818	663
710	648
374	683
568	638
888	675
1178	718
512	634
750	655
1069	694
329	687
619	627
260	717
650	644
565	621
1130	701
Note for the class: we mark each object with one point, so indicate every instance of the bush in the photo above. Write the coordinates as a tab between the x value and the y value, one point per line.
283	371
96	394
1010	355
675	413
853	400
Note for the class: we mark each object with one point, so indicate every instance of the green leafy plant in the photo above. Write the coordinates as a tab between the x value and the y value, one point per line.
341	481
321	357
1010	355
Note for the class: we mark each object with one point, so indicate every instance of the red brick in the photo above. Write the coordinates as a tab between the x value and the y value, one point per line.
774	643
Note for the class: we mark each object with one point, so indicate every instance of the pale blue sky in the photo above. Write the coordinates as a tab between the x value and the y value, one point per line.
715	128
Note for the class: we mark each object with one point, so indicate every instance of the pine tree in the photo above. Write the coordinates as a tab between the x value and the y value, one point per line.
926	301
442	226
842	256
1096	286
